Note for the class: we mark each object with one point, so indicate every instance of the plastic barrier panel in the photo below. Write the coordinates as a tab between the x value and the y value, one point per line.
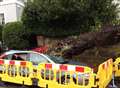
117	67
48	75
20	72
104	74
65	76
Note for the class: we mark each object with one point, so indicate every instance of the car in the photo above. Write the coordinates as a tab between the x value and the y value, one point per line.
37	58
32	56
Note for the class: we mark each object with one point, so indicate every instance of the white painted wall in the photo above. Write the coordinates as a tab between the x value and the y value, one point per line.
12	10
9	12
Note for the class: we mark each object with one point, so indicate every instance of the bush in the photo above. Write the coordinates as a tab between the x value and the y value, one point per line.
15	36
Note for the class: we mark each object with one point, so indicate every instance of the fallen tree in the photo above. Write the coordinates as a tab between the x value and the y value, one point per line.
107	36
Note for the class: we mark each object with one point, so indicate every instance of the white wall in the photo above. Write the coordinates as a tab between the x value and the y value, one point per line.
12	10
9	12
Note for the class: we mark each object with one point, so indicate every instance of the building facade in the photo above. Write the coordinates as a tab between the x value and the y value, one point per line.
11	10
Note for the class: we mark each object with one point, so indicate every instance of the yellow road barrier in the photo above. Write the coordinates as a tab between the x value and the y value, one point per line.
16	71
104	74
117	67
65	76
47	75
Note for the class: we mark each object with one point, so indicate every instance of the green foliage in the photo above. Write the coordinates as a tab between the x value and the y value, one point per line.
104	11
15	36
58	18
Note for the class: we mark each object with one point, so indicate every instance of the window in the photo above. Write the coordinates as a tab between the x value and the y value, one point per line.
18	57
2	18
7	57
58	60
36	59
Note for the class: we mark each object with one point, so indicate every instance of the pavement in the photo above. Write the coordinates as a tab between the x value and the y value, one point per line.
11	85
